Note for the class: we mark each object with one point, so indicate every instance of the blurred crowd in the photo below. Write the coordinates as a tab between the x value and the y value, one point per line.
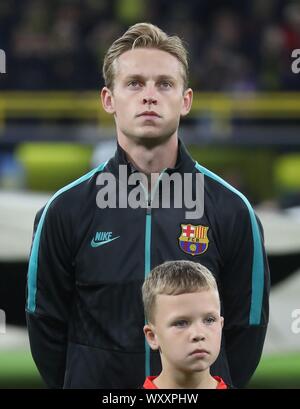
233	45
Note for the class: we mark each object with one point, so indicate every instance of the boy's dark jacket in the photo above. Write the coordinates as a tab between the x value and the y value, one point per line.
87	265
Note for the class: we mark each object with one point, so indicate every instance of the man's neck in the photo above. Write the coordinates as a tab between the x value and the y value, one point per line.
178	380
152	159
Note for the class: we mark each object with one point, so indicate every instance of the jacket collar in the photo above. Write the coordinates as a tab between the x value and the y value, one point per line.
184	162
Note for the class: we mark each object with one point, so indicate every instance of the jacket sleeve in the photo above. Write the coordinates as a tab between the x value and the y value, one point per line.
245	295
49	293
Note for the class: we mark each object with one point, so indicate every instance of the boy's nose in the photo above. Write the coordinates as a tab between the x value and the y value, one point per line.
198	333
198	337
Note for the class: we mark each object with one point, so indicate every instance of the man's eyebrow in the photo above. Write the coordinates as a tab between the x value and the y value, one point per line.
157	78
166	77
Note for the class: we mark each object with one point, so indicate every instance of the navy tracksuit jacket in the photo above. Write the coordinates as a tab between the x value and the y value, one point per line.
87	265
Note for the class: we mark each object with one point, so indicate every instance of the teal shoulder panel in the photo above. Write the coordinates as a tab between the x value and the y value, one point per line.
33	261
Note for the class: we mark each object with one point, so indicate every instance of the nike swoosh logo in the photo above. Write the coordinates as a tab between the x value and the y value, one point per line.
101	243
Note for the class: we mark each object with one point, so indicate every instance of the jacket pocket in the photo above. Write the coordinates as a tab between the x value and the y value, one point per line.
109	316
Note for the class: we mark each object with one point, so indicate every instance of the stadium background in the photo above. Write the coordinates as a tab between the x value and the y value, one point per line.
244	125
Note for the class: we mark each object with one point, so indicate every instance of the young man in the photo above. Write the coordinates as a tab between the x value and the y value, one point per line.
182	307
88	260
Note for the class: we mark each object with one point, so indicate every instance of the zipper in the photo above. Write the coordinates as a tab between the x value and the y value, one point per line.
148	256
147	271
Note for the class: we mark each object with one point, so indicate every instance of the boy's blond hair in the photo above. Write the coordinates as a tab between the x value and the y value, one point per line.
174	278
144	35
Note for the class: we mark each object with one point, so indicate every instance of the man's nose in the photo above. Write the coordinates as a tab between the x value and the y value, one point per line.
149	101
149	96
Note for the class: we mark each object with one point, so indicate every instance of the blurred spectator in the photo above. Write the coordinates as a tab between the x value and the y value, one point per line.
291	37
239	46
272	58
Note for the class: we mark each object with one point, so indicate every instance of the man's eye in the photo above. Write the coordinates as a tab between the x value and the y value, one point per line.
134	84
165	84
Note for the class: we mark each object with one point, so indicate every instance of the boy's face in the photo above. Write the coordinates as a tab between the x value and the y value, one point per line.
187	330
147	81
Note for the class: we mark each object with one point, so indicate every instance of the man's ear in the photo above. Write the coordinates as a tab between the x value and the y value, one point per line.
108	100
187	102
150	334
222	322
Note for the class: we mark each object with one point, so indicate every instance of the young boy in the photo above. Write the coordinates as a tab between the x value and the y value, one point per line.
182	308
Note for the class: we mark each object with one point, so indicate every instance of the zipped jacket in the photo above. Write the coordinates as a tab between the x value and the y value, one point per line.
87	265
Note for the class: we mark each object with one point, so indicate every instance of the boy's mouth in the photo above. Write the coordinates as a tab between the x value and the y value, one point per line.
199	351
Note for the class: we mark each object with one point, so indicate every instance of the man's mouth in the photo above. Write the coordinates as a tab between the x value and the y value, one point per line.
149	114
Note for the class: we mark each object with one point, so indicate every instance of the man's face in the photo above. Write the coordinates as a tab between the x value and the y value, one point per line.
188	330
148	97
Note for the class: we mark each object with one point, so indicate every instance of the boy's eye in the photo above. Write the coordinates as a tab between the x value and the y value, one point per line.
210	320
180	323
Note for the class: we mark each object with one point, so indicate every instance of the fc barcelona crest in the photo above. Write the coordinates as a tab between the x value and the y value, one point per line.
193	239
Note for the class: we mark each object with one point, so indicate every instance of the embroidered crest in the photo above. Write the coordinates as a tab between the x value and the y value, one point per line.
193	239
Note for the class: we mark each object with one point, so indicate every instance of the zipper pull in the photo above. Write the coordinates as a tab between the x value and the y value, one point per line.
149	206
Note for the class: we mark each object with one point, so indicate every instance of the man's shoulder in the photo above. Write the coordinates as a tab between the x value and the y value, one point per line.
223	195
75	193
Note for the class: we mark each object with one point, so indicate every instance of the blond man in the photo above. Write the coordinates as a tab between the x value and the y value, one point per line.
92	250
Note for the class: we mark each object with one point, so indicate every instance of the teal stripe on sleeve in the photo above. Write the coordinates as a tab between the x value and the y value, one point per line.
33	261
258	261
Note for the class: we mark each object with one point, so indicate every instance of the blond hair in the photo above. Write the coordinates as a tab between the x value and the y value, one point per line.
144	35
174	278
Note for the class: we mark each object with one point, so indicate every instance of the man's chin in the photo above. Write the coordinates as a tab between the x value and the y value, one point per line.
151	139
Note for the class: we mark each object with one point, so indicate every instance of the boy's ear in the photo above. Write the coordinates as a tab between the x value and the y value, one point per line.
107	100
149	331
222	322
